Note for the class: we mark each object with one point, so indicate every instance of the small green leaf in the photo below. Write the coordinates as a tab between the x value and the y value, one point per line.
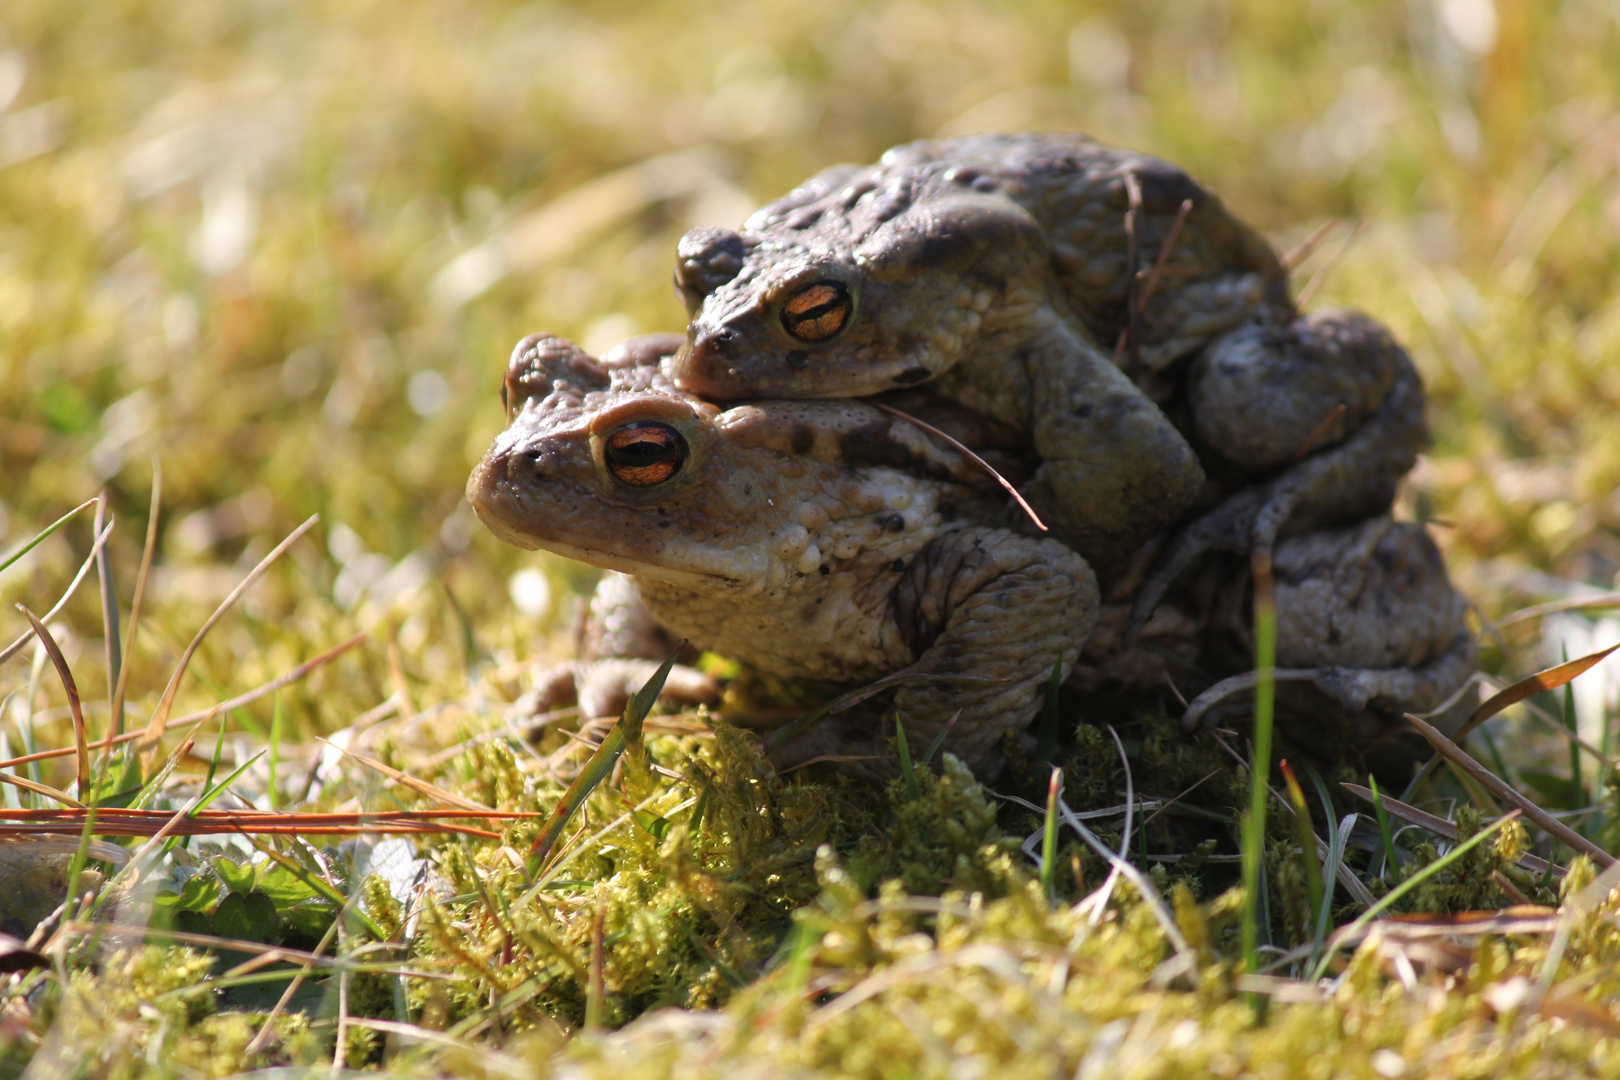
652	824
286	888
200	893
239	879
906	770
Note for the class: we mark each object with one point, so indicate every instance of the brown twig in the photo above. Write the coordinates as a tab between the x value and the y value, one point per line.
1507	793
1310	244
1328	264
421	787
1574	603
1321	429
1127	351
1168	246
971	456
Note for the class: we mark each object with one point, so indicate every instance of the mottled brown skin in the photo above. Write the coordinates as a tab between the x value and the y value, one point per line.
1368	620
823	540
998	266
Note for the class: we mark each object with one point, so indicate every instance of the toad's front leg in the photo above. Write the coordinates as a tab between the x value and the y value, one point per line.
1114	470
996	605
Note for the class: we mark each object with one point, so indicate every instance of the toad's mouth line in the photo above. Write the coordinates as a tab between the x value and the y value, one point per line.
698	581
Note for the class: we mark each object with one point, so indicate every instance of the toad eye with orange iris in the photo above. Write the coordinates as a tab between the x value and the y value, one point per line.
817	311
645	453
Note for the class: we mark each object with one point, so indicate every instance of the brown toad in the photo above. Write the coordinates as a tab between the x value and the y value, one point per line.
1005	268
823	540
829	540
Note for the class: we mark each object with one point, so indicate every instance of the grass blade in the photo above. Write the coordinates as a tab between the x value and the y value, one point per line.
600	763
40	789
421	787
907	771
1443	828
1550	679
45	533
1006	485
1570	721
1509	794
251	696
1254	825
695	823
212	793
115	725
271	792
1306	835
1054	788
1418	878
1383	828
109	604
80	740
73	586
939	740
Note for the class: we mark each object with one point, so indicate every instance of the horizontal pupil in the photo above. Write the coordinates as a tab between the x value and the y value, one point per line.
643	451
816	313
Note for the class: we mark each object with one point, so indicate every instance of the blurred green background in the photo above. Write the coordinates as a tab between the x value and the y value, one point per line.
286	245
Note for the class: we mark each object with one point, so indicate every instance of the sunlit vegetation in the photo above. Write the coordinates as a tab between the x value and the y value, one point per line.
278	251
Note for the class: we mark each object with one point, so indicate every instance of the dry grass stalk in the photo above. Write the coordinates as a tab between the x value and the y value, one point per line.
1506	792
60	662
1441	827
278	683
116	821
421	787
160	716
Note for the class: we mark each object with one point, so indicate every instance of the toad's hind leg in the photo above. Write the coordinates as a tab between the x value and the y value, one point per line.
1353	479
1368	628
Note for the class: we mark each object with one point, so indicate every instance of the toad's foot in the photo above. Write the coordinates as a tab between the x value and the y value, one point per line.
1378	696
1353	480
621	646
603	687
1264	395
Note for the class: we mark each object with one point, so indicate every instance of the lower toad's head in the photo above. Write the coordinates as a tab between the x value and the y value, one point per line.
608	465
842	291
612	477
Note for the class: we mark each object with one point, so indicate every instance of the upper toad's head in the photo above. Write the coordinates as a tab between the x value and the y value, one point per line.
845	289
